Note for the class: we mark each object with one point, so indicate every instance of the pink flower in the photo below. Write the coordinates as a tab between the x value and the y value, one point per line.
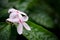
20	18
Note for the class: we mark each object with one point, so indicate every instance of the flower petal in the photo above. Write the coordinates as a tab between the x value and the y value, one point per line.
11	10
20	28
13	20
26	26
13	15
22	13
25	18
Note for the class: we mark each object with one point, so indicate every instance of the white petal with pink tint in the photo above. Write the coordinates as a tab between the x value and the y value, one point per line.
25	18
20	28
13	15
11	10
23	13
20	18
13	20
26	26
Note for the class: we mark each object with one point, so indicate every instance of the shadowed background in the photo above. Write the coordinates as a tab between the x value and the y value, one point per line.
44	19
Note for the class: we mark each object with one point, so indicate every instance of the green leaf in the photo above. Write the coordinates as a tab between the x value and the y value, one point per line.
39	5
42	18
14	33
3	14
3	3
2	25
5	33
39	12
12	0
38	33
23	5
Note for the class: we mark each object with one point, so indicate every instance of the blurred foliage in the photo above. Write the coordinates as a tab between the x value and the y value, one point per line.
5	32
38	33
44	16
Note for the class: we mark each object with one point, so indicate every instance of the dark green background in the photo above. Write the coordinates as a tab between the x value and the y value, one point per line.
44	19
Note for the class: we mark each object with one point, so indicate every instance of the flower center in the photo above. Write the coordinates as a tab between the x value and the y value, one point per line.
20	21
17	12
